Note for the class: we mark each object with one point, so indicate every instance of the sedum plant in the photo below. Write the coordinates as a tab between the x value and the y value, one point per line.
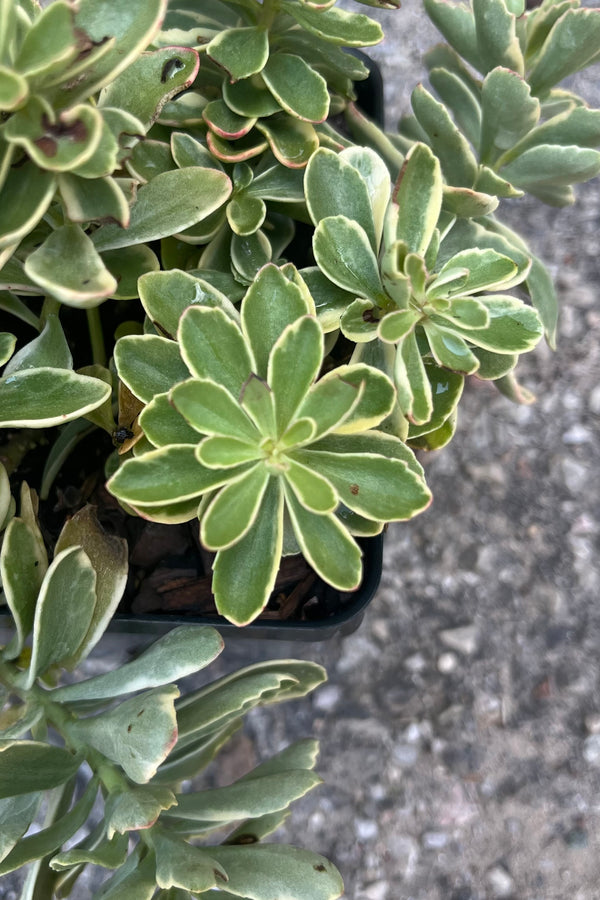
118	755
344	281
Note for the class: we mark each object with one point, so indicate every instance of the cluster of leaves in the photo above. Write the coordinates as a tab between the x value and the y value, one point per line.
109	754
270	463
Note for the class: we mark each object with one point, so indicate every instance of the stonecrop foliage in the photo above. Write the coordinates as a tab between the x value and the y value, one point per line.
120	755
282	300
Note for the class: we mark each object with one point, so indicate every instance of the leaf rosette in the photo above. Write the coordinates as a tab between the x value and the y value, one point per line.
244	434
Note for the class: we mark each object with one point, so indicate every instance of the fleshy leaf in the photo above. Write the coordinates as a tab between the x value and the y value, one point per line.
149	365
138	734
213	347
41	397
299	349
331	185
211	409
241	51
343	252
68	267
29	766
234	510
418	194
297	87
244	575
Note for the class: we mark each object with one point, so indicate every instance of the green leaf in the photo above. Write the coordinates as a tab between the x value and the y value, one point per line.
446	390
232	513
552	165
332	184
466	203
336	25
414	390
278	182
181	652
167	475
543	296
149	364
509	112
449	145
256	398
487	269
58	144
138	734
418	195
457	24
249	99
16	815
23	565
50	349
265	871
148	82
109	558
13	89
313	491
456	92
131	30
44	842
513	327
60	626
109	855
376	399
166	295
571	45
42	397
179	864
270	305
375	487
29	766
67	267
135	880
93	199
26	195
249	253
299	349
497	40
49	42
138	808
163	425
256	794
245	214
449	349
211	409
343	252
244	575
297	87
194	757
327	545
168	204
127	265
213	347
397	324
292	141
241	51
329	402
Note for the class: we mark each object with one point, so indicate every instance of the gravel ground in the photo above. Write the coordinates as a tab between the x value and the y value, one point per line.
460	728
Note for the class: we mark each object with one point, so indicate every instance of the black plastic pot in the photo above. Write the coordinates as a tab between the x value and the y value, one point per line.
342	623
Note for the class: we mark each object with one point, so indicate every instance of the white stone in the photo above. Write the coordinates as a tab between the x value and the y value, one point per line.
591	750
577	434
592	723
327	698
447	662
366	829
463	639
434	840
500	882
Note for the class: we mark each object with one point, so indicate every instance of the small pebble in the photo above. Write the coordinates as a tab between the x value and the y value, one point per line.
406	755
375	891
434	840
500	882
591	750
592	723
463	639
575	474
577	434
594	401
416	662
447	662
366	829
327	698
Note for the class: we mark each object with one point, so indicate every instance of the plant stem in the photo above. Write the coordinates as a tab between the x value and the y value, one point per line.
96	336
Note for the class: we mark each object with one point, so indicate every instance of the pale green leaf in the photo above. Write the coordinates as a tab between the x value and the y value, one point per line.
241	51
166	295
138	734
299	349
39	398
23	565
214	348
497	40
418	195
167	475
179	864
571	45
297	87
336	26
167	205
26	195
343	252
138	808
16	815
272	303
232	513
163	425
29	766
449	145
211	409
333	184
244	575
68	267
149	364
509	112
